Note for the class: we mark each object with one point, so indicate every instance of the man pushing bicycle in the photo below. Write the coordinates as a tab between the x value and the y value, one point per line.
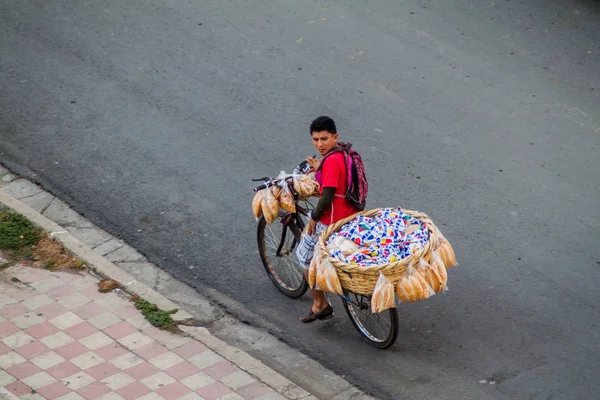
336	202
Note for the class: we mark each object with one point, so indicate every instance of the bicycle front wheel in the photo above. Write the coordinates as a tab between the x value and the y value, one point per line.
277	245
378	329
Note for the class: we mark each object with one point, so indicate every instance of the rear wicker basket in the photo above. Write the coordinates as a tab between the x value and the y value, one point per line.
361	279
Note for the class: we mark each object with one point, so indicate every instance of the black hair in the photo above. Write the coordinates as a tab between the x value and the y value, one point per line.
323	123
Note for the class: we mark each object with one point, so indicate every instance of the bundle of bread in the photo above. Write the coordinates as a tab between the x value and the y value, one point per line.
306	186
286	198
346	246
383	296
446	252
323	275
422	280
268	201
265	203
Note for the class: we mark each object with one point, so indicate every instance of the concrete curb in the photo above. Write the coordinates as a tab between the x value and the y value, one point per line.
104	267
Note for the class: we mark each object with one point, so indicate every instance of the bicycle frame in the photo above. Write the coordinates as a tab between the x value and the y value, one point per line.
296	225
294	222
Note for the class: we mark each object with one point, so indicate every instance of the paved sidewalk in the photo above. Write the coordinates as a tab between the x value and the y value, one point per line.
60	338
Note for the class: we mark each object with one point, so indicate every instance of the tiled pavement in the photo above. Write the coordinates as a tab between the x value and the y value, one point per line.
62	339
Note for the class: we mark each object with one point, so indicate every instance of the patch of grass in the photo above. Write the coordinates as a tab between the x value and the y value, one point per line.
154	315
17	232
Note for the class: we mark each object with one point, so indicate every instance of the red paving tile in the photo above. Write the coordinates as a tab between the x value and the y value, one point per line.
142	371
182	370
93	391
33	275
190	349
253	390
125	311
51	310
61	291
102	371
173	391
91	292
67	277
18	388
7	328
111	351
213	391
33	350
81	330
71	350
13	310
150	350
42	330
23	370
62	370
120	330
133	390
220	370
4	349
54	390
89	310
22	294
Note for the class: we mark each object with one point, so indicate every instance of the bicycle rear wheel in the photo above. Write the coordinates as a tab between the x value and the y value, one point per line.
378	329
283	269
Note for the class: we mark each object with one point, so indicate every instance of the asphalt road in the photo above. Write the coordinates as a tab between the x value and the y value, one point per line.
150	118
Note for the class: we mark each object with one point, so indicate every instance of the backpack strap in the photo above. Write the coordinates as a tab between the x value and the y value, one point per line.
337	149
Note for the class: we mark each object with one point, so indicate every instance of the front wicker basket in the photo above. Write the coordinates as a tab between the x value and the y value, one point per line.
362	279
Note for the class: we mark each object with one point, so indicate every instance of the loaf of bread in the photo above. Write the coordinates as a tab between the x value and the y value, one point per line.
431	275
312	272
427	290
327	279
270	206
409	289
437	264
306	186
446	253
257	204
383	296
286	200
333	281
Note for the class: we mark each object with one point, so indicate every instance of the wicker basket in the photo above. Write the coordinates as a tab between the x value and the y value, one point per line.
361	279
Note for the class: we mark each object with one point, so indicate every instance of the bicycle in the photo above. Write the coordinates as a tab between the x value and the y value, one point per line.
277	252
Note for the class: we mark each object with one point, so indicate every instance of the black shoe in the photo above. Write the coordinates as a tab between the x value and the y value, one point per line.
325	313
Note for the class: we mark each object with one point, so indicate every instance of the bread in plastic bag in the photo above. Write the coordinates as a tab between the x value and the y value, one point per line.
409	287
346	246
446	252
383	296
306	186
436	263
431	275
327	279
257	204
420	275
270	206
286	199
312	272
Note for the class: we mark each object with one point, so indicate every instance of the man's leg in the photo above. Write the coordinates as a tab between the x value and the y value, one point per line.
319	299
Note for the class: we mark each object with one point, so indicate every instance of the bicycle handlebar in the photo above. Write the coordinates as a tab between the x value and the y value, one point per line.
270	182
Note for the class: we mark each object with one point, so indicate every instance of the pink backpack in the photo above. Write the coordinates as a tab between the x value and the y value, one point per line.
358	188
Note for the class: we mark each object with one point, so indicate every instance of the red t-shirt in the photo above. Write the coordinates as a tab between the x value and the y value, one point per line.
333	174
